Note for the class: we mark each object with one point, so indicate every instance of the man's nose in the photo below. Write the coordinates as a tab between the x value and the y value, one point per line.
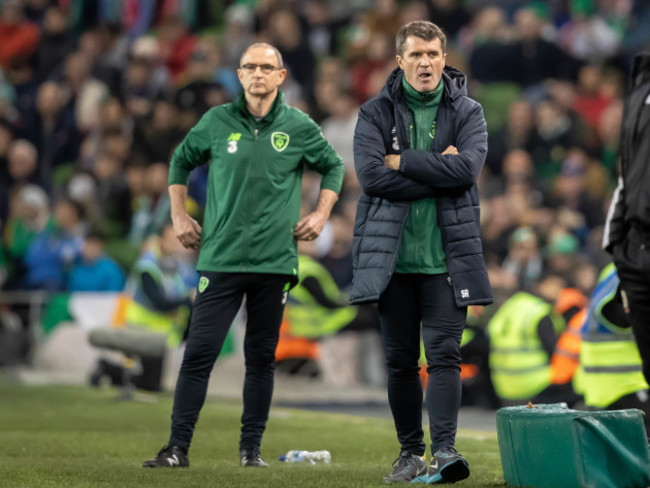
425	61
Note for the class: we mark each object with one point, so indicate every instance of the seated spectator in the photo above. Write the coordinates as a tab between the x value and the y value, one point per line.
56	42
538	58
86	92
515	134
500	223
493	57
22	169
573	192
200	90
151	210
556	133
53	250
587	36
94	270
286	33
53	131
176	44
609	130
18	38
237	34
157	137
524	260
339	125
143	80
113	194
450	15
30	215
561	251
591	101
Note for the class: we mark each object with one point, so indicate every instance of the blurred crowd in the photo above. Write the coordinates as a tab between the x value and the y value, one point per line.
94	97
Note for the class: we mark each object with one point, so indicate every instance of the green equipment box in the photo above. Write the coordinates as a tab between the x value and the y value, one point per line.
551	446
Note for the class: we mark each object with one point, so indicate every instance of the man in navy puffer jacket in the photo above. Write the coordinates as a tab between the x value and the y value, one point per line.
418	149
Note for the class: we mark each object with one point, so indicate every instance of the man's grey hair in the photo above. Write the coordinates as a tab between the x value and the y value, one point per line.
267	46
419	28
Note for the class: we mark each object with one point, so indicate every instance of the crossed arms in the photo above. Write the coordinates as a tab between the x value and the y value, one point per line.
417	174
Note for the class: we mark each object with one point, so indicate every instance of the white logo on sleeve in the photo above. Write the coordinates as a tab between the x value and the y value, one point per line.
173	460
395	142
464	293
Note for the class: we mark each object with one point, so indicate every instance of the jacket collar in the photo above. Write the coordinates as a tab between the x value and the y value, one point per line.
241	105
455	85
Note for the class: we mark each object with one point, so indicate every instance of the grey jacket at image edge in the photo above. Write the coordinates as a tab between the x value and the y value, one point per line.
383	128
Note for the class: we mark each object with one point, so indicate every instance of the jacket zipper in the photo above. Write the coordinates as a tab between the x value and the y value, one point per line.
403	144
248	200
443	112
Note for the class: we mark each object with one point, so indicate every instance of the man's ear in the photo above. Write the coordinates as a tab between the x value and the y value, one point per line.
398	58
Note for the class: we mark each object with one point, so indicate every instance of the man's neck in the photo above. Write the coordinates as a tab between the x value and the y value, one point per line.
260	106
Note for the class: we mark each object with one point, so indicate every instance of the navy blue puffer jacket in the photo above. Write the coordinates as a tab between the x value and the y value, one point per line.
382	210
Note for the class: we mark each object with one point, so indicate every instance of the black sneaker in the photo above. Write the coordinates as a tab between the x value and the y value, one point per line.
447	466
252	459
169	457
406	467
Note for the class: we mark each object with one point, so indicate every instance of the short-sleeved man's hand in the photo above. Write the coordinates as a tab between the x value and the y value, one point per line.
187	230
392	161
310	226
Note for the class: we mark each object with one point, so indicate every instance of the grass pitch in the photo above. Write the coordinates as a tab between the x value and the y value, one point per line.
77	437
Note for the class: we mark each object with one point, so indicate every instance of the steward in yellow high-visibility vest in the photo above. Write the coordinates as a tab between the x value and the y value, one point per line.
160	286
316	307
609	357
519	364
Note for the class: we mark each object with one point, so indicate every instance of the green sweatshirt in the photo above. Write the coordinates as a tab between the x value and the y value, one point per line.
421	249
254	183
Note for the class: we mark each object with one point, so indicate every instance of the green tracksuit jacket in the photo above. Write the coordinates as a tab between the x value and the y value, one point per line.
254	183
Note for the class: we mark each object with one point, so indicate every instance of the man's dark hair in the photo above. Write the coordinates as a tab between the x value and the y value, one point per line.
76	206
422	29
96	234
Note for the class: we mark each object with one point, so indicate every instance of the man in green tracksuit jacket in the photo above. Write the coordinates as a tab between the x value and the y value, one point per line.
257	147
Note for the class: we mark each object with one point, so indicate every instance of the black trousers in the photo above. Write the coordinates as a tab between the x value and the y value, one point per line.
412	303
213	312
632	259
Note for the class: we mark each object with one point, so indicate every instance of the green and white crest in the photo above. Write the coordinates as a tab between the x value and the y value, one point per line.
280	141
203	284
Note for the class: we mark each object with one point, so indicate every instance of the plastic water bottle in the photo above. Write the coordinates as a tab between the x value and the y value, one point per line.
311	457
